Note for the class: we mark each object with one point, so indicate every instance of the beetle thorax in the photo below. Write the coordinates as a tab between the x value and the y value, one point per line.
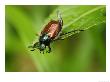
44	39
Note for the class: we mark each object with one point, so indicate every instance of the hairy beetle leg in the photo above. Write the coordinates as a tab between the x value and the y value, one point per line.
49	49
32	50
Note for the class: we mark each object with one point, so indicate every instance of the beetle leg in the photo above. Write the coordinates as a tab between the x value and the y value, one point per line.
31	47
35	44
49	49
46	51
33	50
43	51
73	31
64	35
59	18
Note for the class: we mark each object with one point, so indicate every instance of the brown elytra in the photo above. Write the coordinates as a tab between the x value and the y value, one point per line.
52	29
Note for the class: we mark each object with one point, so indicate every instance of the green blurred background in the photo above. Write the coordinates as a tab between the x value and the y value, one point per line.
83	52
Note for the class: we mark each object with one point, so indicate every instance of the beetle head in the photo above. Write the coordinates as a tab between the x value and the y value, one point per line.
41	47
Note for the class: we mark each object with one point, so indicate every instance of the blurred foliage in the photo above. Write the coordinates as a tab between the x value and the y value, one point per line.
82	52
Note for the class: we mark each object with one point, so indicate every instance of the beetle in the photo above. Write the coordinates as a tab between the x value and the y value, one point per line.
51	32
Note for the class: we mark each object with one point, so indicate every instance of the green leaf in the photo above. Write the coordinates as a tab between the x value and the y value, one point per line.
80	17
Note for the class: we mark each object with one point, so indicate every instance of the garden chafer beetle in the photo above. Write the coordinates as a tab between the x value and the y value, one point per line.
51	32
